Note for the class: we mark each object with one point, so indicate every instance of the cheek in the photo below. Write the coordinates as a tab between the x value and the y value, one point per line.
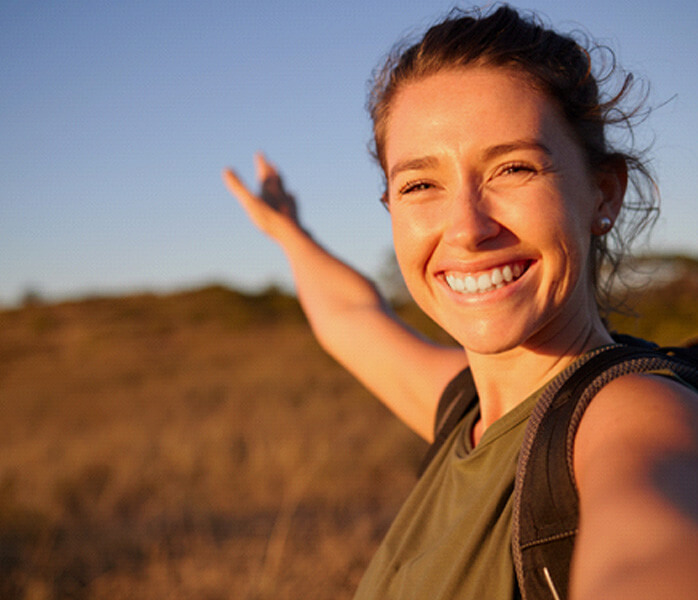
411	244
404	250
569	252
578	231
568	218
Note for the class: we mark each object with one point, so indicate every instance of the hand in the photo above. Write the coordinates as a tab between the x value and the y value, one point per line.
274	207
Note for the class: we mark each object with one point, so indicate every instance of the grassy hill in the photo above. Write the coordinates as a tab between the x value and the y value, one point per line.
201	445
198	445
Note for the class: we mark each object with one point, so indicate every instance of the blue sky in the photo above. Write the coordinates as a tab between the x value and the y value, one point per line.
116	119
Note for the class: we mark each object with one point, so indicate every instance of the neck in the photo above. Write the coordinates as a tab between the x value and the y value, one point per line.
506	379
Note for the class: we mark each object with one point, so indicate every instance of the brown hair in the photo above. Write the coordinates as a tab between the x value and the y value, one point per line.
562	68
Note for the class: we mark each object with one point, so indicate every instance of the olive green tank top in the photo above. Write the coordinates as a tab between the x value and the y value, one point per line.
452	537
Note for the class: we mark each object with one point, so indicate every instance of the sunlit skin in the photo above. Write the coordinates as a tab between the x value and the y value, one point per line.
484	172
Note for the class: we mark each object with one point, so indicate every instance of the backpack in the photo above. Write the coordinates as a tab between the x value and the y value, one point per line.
546	511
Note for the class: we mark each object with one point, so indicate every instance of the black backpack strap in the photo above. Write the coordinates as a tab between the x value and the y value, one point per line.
458	397
545	495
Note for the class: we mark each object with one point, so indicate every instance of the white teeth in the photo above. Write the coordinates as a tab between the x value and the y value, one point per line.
484	282
455	283
494	279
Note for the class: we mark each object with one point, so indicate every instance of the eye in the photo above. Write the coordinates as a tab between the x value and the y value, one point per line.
517	168
414	186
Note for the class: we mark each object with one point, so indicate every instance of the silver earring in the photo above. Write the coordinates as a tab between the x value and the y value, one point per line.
605	224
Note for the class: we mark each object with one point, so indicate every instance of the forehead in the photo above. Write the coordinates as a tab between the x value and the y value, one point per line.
471	107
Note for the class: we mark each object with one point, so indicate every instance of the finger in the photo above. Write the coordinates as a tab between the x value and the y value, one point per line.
263	168
237	187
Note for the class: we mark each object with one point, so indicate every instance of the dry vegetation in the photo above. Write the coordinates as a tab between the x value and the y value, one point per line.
198	445
193	446
667	313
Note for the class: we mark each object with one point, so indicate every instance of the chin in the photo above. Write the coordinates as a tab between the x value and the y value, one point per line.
486	337
485	346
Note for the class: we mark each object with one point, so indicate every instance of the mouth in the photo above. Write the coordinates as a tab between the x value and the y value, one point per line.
486	281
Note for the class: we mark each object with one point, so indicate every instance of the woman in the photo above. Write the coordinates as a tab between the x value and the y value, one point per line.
502	188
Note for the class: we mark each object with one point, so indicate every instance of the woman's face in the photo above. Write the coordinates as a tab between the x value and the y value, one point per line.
492	208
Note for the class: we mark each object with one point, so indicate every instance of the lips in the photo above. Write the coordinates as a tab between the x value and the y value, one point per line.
487	280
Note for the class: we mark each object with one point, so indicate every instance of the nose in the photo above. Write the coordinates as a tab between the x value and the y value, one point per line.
469	220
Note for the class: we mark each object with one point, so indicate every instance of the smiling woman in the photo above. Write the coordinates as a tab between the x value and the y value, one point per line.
503	189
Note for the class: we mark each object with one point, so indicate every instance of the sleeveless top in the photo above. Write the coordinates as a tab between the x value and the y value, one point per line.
452	537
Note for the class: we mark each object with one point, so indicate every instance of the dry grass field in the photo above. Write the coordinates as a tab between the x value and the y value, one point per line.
196	445
199	445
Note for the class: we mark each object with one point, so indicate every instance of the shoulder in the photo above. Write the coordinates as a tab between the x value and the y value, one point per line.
636	466
638	411
631	424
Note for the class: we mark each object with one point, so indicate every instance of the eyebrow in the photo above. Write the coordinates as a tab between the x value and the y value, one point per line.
500	149
413	164
426	162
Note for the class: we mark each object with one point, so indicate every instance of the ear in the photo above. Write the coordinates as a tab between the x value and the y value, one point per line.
611	182
385	200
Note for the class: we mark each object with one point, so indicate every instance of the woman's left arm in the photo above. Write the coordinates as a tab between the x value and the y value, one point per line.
636	464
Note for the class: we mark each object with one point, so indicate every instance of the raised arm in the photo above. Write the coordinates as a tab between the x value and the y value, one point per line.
636	464
348	315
